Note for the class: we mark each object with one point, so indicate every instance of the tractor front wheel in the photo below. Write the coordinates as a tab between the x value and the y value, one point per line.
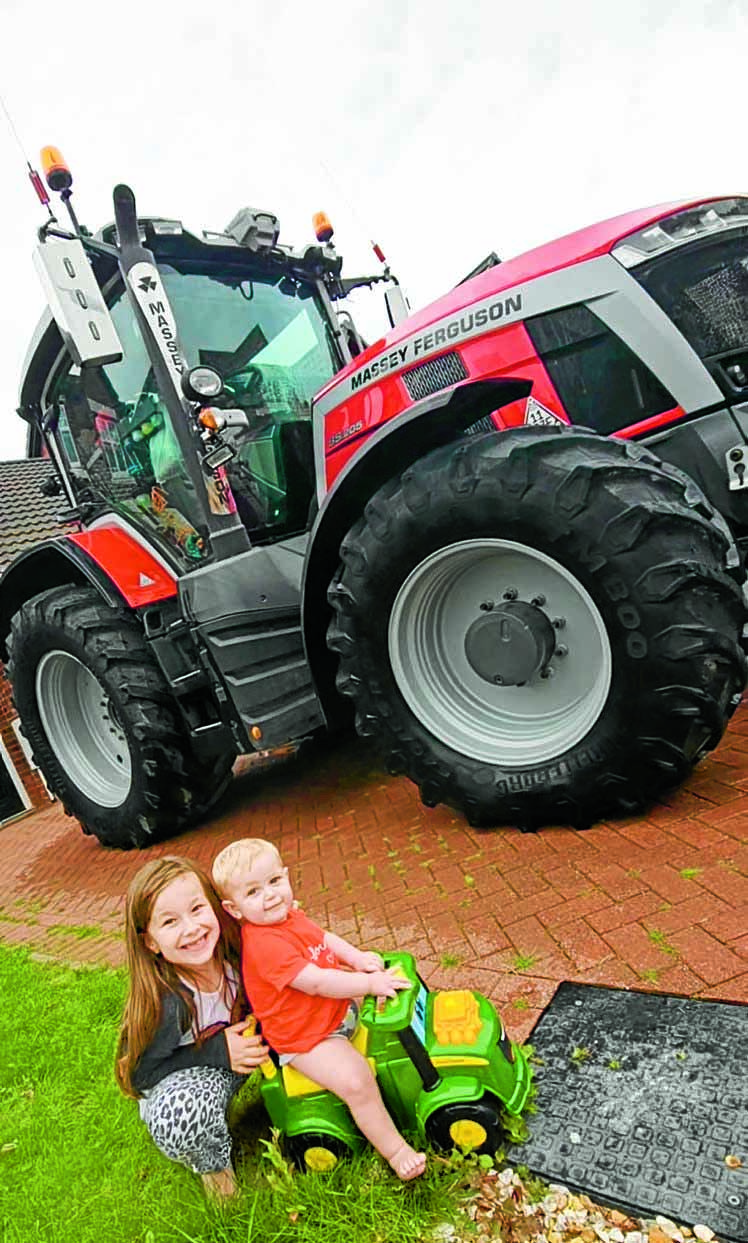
472	1126
540	627
96	710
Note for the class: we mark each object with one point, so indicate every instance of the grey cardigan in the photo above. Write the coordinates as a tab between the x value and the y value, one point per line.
165	1054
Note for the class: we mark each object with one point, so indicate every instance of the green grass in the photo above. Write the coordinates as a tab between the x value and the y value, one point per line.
77	1165
83	932
523	962
659	939
690	873
450	960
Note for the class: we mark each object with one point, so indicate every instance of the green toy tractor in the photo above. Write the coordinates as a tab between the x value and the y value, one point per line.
444	1065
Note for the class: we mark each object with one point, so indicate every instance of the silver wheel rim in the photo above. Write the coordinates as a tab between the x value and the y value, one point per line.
82	729
512	726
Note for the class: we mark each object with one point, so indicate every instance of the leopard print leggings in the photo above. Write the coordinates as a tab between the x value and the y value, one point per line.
186	1116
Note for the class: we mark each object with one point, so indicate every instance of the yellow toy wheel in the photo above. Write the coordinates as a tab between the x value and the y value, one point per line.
320	1160
471	1126
316	1153
468	1134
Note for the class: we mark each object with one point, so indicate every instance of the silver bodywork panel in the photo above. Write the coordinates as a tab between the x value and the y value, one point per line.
602	284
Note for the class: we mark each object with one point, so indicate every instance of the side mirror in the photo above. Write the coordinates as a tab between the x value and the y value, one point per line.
396	304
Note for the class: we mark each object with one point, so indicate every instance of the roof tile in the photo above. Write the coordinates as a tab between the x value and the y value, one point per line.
27	517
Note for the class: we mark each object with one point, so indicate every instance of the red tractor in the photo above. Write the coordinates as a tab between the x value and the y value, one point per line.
511	531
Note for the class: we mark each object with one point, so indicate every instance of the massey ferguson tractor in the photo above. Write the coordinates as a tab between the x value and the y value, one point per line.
511	531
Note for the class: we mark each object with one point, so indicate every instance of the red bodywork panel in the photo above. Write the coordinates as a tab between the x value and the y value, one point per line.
137	575
501	351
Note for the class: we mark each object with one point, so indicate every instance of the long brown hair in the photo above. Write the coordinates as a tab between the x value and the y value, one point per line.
151	976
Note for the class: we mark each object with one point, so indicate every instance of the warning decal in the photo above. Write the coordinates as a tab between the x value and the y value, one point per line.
540	416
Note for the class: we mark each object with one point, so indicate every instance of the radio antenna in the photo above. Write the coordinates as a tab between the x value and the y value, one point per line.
354	212
39	187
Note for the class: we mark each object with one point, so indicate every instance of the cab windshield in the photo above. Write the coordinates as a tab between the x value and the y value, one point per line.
270	341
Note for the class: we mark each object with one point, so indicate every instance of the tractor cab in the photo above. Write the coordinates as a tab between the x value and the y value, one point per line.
270	332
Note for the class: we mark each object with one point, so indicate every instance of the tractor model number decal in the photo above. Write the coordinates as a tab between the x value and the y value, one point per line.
418	1022
467	323
146	285
336	437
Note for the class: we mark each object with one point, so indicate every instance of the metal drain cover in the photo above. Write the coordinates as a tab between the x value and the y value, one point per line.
641	1096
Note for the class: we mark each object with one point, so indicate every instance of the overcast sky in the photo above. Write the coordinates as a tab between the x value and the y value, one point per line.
444	130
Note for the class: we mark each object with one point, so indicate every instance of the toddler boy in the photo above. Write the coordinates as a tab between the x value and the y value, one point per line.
294	977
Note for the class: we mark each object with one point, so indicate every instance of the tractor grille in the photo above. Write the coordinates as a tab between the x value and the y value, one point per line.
486	424
704	290
431	376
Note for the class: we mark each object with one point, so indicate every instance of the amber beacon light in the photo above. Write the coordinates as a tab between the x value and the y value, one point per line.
323	230
56	172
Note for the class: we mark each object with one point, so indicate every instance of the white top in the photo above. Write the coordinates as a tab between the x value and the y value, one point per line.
212	1008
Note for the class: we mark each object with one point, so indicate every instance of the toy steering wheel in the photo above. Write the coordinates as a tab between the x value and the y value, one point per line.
393	1012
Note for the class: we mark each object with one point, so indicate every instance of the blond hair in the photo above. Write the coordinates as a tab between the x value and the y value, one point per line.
239	857
151	976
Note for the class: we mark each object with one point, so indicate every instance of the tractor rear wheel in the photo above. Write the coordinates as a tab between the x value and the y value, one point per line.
96	710
539	626
316	1153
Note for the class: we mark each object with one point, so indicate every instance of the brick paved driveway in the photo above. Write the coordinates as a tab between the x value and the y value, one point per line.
658	903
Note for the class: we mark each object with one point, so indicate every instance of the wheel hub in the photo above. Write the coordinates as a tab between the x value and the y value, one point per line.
468	1134
452	635
511	643
320	1160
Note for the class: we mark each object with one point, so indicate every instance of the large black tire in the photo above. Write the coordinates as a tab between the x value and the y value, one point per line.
607	519
144	783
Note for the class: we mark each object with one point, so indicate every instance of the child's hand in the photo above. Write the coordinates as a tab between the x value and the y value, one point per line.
386	983
245	1053
367	960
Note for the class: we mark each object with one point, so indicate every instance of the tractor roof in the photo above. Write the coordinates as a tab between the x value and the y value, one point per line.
26	516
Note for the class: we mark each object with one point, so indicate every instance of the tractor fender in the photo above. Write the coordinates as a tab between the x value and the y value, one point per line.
427	424
108	558
455	1088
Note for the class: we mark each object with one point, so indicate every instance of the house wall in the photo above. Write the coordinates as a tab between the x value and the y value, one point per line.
30	778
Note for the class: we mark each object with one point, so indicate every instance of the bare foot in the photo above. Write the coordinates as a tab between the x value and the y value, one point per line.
220	1186
407	1163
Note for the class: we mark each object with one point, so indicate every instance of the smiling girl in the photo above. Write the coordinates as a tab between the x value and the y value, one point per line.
182	1051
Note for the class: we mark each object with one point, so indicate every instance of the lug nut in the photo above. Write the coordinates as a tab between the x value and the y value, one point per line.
558	623
538	601
498	680
511	593
550	672
486	606
561	650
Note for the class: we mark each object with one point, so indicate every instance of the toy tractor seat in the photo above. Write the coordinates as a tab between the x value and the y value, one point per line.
298	1084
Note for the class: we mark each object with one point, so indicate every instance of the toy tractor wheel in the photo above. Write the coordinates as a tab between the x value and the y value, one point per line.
95	709
316	1153
474	1126
540	626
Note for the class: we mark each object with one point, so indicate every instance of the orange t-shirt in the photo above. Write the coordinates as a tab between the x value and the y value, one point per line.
272	956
